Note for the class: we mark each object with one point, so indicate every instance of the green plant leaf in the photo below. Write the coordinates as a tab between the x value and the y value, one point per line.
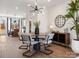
72	12
36	23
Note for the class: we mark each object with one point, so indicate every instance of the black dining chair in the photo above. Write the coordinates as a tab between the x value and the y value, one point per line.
27	39
23	46
46	42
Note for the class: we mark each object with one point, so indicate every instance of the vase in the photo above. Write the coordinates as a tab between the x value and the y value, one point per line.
75	46
36	31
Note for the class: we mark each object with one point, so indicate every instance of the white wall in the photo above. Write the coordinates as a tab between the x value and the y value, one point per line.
42	17
43	21
48	18
60	9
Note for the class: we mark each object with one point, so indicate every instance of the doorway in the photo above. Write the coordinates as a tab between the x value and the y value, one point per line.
13	26
3	27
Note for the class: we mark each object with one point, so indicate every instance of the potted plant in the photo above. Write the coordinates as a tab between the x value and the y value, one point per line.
72	12
36	24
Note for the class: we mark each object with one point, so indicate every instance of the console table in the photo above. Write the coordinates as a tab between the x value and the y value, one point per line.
61	38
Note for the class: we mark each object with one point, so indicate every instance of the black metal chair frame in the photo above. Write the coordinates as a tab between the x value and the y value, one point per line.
22	46
29	51
46	49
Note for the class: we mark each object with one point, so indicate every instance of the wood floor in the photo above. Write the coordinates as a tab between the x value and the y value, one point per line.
9	49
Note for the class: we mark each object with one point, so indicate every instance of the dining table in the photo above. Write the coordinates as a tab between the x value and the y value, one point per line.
37	37
37	47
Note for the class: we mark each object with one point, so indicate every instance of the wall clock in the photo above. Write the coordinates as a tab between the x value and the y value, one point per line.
60	21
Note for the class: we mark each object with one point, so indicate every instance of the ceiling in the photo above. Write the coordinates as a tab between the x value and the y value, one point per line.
21	6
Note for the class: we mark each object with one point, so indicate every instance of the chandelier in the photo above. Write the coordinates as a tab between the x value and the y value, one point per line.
36	9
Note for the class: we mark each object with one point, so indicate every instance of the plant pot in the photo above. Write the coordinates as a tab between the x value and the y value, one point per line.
75	46
37	31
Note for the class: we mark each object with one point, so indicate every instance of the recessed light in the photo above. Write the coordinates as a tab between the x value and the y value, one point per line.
16	7
49	0
35	3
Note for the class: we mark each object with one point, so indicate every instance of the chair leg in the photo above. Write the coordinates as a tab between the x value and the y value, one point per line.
29	53
46	50
24	54
23	47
